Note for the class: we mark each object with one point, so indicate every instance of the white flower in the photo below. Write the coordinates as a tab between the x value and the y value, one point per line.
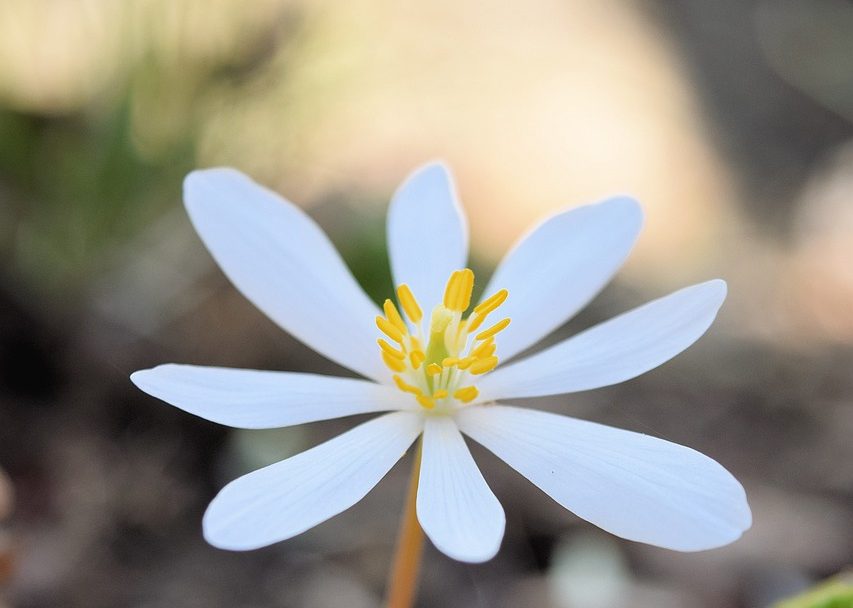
434	372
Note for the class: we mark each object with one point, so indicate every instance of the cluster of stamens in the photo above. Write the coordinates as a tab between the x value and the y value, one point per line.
436	367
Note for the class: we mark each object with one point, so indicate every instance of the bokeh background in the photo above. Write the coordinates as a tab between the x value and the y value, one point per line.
729	120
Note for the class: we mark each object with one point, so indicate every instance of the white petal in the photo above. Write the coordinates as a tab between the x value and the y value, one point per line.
427	233
294	495
559	266
632	485
456	508
614	351
280	260
252	399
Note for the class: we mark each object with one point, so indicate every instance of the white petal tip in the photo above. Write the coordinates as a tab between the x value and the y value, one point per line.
627	207
433	168
718	286
204	176
433	179
141	378
146	379
472	557
198	183
220	538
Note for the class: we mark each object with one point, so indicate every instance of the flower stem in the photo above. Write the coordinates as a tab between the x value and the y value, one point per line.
403	581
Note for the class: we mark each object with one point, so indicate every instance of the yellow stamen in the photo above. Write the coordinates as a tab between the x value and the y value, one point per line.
483	349
393	363
481	366
466	394
433	369
474	323
409	304
449	361
394	316
415	343
488	333
389	330
417	357
457	294
491	303
387	348
405	387
440	394
425	401
466	362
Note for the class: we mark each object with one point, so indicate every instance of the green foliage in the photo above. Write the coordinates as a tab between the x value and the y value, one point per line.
834	593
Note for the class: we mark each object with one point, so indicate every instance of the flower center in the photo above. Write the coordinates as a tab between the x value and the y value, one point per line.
440	373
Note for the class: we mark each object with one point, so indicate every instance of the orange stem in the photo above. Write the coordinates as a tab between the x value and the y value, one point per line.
403	582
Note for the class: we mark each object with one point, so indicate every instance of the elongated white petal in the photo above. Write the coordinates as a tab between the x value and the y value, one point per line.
632	485
614	351
456	508
283	263
559	266
253	399
294	495
427	233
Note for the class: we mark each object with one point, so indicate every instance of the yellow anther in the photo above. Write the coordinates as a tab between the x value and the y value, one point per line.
417	357
466	362
441	394
466	394
488	333
457	294
425	401
393	363
406	387
474	323
433	369
409	303
394	316
451	290
481	366
387	348
483	348
491	303
389	330
415	343
449	361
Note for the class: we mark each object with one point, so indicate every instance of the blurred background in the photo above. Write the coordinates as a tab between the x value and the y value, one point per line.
729	120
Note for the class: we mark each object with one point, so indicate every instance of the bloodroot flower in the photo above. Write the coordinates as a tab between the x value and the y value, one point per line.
433	362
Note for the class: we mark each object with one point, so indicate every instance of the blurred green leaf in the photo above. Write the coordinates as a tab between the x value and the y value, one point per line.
837	592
